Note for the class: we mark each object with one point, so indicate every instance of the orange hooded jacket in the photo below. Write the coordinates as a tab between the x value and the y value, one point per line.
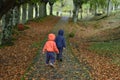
50	45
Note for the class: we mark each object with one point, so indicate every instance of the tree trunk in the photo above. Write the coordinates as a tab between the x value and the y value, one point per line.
24	13
36	10
81	13
113	8
6	35
51	9
1	24
45	11
88	11
109	7
21	13
27	11
30	15
96	9
75	13
42	10
15	19
41	13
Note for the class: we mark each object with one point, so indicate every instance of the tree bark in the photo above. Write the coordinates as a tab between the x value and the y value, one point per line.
51	9
96	9
81	16
24	13
36	10
21	13
15	17
30	15
1	24
6	35
75	13
42	10
27	11
109	7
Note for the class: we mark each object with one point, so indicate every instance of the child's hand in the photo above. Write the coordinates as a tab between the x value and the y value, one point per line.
57	52
64	48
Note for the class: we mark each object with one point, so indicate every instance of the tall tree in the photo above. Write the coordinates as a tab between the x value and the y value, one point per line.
77	5
51	3
108	7
6	36
44	2
76	10
116	3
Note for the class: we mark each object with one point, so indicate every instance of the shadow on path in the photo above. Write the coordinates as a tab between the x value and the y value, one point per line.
69	69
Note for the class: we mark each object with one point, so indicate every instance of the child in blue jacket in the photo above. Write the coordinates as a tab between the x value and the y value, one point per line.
60	42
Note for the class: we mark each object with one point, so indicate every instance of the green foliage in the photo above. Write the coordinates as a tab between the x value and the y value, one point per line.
15	31
71	34
8	43
36	45
113	46
98	3
80	2
53	1
38	19
17	1
26	27
68	5
34	1
116	2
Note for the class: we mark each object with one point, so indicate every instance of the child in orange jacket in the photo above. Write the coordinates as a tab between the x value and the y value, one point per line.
50	49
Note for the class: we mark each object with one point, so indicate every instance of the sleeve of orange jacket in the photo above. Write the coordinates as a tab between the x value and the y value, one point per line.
55	48
44	48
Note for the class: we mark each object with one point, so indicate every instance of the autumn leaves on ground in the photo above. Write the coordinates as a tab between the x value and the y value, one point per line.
14	60
98	44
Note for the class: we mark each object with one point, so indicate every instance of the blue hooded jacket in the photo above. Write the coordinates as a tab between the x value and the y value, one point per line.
60	40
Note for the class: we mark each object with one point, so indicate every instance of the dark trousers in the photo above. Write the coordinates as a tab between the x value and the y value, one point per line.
59	56
50	57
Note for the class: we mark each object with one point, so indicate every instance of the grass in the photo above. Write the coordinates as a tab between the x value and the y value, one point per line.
38	19
108	49
36	44
71	34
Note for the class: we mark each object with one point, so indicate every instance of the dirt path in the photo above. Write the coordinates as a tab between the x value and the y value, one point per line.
69	69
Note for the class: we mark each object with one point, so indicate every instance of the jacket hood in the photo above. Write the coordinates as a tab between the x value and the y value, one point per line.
51	37
61	32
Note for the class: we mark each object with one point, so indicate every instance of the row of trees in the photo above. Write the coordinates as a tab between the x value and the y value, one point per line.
106	7
14	12
5	5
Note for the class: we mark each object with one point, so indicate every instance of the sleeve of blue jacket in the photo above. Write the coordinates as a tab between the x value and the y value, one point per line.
64	44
